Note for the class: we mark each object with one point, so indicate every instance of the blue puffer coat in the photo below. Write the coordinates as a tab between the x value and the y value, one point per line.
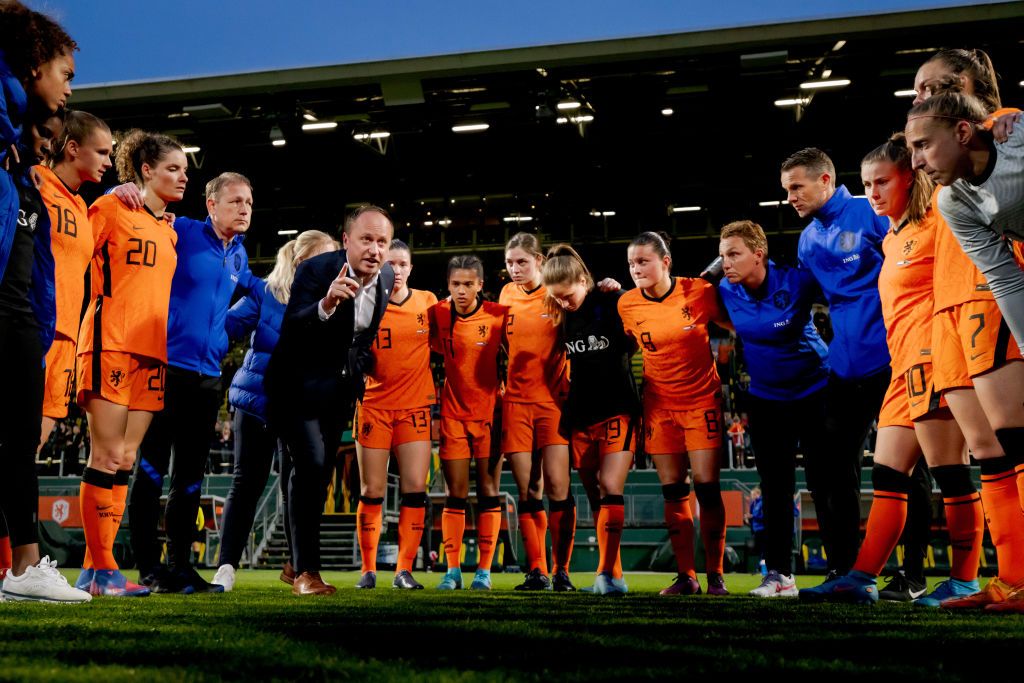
261	314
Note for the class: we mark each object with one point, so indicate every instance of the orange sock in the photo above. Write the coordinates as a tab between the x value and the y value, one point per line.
540	524
6	559
368	519
453	527
679	520
1020	483
411	515
609	533
712	525
97	508
964	519
488	524
885	521
119	494
1012	441
966	523
1004	517
563	532
528	529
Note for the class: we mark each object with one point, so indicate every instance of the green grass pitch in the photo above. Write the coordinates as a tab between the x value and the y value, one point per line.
261	632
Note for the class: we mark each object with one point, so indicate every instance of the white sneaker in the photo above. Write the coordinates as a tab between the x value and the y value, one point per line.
776	585
42	583
225	576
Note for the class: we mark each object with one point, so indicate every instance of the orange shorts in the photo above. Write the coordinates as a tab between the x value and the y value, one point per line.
60	377
461	440
384	429
614	435
682	431
910	397
969	340
527	427
126	379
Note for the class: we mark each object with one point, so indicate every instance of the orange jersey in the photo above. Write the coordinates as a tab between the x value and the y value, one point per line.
71	241
132	267
960	280
672	333
905	288
401	370
537	368
470	345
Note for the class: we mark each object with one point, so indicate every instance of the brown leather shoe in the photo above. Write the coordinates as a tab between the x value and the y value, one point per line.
288	573
310	583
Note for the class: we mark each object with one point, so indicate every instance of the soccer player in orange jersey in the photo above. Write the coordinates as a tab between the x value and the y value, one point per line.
394	416
682	395
80	155
468	332
122	346
974	356
531	407
602	409
913	419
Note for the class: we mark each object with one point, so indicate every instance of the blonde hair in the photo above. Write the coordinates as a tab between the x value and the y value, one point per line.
279	282
563	265
750	232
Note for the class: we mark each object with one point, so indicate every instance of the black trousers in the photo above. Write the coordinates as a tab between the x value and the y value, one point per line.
184	426
778	429
312	443
21	412
255	446
850	409
918	529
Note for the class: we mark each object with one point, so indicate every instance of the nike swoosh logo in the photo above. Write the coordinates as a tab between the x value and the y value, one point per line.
104	507
916	594
976	355
136	227
914	403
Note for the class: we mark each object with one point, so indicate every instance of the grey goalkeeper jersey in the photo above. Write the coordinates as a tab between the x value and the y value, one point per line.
981	215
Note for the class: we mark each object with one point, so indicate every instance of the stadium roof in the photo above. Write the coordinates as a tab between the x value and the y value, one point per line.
678	121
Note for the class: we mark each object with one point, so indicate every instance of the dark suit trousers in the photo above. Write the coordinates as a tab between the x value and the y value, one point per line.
184	427
312	442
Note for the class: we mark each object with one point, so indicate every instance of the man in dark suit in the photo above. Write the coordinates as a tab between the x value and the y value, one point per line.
316	371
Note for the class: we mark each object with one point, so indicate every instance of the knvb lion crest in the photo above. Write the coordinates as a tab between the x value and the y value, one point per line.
847	240
908	247
60	511
781	299
116	377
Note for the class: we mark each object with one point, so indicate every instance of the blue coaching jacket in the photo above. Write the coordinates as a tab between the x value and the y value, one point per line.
786	358
42	293
13	102
261	314
205	280
843	248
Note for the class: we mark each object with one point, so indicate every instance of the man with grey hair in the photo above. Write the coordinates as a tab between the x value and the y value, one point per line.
212	265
